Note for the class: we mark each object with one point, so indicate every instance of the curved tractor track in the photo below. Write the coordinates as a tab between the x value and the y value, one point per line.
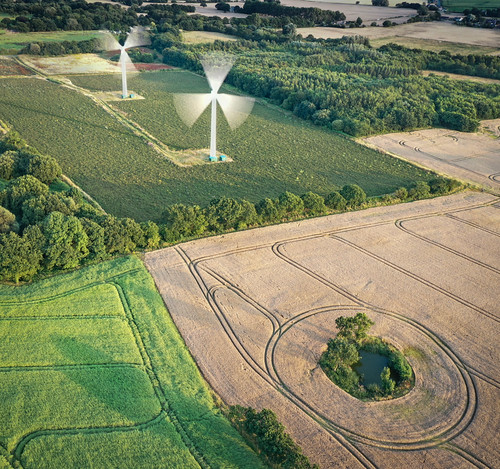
256	309
15	456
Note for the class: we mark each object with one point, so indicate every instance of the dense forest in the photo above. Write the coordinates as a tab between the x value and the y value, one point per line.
351	87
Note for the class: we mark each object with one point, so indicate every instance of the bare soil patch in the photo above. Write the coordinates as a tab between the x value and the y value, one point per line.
256	309
9	67
473	157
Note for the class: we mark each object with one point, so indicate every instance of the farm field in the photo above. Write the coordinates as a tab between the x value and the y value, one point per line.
471	157
12	42
93	373
199	37
460	5
273	152
446	33
257	308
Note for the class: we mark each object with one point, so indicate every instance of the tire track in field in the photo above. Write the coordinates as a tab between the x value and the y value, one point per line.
471	408
160	393
400	225
416	277
68	292
462	368
205	289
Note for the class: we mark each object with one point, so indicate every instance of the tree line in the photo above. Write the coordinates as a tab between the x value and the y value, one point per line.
351	87
66	15
46	229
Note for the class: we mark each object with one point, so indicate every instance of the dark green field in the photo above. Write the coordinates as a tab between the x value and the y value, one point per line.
272	151
93	373
461	5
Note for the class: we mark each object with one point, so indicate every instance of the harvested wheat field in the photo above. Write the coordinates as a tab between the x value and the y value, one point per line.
473	157
257	308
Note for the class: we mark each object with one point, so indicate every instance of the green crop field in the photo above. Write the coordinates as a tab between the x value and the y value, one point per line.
93	373
461	5
11	42
272	151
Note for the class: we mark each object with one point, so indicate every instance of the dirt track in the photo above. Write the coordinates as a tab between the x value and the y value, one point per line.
257	307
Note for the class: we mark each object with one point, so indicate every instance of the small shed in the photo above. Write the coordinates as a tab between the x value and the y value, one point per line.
212	158
223	157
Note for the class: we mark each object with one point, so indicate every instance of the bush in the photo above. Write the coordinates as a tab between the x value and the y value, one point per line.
21	189
335	201
8	165
290	205
353	194
314	204
420	191
44	168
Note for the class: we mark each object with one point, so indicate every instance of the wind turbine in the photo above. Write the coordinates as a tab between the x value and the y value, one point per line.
136	37
236	108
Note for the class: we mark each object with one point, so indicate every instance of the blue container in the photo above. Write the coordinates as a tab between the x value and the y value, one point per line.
223	157
212	158
132	95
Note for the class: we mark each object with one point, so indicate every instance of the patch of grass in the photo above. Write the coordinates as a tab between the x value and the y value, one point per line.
11	41
200	37
106	381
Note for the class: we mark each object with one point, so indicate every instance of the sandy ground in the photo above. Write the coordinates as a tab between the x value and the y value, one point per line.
473	157
256	309
445	32
71	64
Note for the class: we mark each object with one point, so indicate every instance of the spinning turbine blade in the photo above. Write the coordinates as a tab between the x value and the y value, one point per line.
235	108
216	67
137	37
108	41
189	106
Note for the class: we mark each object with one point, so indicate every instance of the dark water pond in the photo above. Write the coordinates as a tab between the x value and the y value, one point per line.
370	366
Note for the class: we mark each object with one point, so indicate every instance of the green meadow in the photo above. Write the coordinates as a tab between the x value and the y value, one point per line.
11	42
272	151
93	373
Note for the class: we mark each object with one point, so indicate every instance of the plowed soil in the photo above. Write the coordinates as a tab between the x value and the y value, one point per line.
256	309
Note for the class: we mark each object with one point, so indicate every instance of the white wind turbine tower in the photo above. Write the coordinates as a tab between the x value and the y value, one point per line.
136	37
236	108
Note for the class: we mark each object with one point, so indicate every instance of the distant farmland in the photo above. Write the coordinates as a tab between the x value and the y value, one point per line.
93	373
272	152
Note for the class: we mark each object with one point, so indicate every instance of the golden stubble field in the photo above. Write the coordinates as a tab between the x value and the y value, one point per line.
474	157
256	309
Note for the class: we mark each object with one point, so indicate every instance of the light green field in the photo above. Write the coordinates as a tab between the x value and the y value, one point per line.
272	151
10	41
200	37
93	373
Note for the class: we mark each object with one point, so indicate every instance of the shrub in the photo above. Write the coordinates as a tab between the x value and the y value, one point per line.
335	201
353	194
8	165
290	205
420	191
22	189
401	193
314	204
267	210
44	168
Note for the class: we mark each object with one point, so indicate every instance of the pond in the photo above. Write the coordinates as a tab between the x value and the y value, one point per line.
370	366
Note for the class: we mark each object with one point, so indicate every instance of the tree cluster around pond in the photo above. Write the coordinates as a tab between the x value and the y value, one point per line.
343	353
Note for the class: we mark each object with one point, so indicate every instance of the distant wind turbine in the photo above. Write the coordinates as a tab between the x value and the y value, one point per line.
136	37
236	108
